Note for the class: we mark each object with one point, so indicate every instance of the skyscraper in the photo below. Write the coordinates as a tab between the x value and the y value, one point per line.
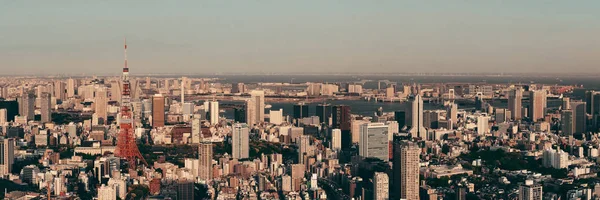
46	107
515	97
304	148
381	186
530	191
592	99
255	107
341	119
400	117
196	129
323	111
300	111
239	114
26	106
336	139
276	116
500	115
579	116
374	141
158	110
59	90
185	189
452	113
566	119
71	88
182	92
406	170
482	125
7	156
101	105
205	155
107	193
214	112
12	109
240	137
537	105
414	117
3	116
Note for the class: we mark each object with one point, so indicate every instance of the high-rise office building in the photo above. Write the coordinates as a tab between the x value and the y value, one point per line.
515	97
107	193
7	156
304	148
537	105
452	113
592	99
238	88
414	117
240	137
46	107
566	119
71	88
566	103
297	175
196	129
26	106
530	191
300	111
255	107
374	141
239	114
381	186
12	109
3	116
205	155
276	116
500	115
482	125
341	118
400	117
59	90
4	92
355	130
336	139
182	92
158	110
323	111
101	105
185	190
214	112
406	170
579	116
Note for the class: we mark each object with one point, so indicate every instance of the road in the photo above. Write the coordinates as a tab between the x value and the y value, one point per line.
332	189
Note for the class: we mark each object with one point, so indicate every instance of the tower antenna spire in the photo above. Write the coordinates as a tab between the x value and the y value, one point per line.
126	140
125	50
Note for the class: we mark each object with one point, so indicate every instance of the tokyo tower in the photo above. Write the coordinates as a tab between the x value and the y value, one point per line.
126	143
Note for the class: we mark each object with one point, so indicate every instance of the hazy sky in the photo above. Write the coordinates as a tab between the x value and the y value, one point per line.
201	36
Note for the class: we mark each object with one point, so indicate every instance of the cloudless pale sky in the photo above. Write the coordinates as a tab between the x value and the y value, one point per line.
352	36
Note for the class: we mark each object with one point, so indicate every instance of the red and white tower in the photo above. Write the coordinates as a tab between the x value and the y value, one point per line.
126	143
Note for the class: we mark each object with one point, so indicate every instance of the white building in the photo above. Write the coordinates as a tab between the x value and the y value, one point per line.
336	139
276	116
374	141
106	193
381	186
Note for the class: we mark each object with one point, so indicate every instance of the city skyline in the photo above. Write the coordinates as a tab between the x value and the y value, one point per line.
308	37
